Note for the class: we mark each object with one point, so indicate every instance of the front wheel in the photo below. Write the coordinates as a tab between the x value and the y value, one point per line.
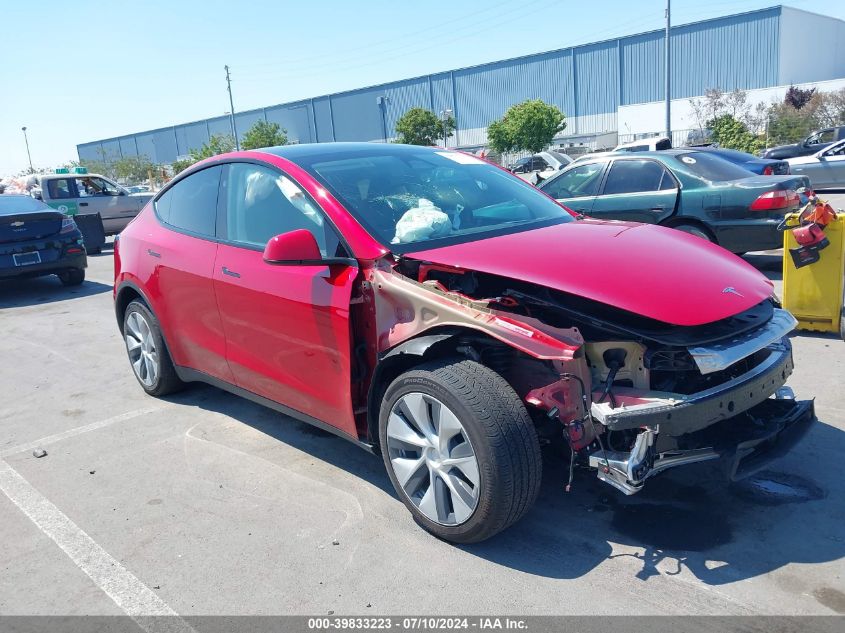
460	449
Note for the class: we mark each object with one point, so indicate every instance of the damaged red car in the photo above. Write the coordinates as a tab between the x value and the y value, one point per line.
439	311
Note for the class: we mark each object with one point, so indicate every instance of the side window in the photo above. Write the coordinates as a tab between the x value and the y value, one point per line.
191	204
632	176
826	136
262	203
577	182
59	189
95	187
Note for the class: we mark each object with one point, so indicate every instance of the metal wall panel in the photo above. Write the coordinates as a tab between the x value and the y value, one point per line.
165	146
294	119
88	151
111	150
323	119
739	51
641	65
401	97
801	60
245	120
191	136
220	126
127	146
358	115
596	78
146	147
484	93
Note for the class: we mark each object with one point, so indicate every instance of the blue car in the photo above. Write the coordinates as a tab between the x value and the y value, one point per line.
762	166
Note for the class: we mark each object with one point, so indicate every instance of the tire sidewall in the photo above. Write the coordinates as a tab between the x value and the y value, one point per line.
146	313
421	381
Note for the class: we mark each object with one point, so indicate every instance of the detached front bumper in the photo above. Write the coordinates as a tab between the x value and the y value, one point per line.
680	414
743	445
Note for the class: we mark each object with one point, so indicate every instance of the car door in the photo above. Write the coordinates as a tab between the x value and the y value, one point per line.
287	326
576	186
179	271
829	171
100	195
637	189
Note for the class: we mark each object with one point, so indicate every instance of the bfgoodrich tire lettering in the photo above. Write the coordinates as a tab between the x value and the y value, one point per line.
500	435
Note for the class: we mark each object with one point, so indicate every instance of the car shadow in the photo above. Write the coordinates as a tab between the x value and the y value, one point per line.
17	293
687	518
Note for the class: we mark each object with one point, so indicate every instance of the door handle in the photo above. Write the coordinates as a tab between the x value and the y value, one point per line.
83	204
152	253
658	209
231	273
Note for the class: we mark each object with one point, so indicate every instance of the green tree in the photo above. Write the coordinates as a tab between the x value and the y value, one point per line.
419	126
730	133
264	134
530	125
217	144
133	168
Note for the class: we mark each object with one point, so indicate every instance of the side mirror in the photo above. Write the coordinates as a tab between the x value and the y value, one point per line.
296	247
299	248
36	193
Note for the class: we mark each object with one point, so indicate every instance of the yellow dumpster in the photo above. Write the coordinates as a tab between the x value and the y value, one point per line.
814	293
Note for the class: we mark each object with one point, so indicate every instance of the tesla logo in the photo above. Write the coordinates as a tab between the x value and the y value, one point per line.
732	290
16	224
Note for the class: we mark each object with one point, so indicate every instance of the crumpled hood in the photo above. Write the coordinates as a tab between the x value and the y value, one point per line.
653	271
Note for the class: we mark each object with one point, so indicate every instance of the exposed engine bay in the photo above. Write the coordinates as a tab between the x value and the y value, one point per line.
624	395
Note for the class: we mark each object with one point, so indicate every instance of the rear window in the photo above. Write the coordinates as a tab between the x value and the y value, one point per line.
9	205
712	168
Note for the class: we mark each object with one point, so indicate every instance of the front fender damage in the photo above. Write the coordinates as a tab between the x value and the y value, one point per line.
602	397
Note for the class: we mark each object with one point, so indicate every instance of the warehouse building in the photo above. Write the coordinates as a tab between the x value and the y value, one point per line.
610	91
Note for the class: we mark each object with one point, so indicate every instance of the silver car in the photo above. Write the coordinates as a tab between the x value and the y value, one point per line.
825	168
83	193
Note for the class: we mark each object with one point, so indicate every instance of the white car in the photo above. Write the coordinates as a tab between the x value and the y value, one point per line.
825	168
540	166
653	144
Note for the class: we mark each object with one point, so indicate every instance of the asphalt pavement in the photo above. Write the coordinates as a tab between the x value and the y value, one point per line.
203	503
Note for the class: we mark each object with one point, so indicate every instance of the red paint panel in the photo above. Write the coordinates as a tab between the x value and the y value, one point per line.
650	270
287	332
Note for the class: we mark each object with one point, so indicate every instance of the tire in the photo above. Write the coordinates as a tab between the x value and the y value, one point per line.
73	277
696	230
489	424
148	355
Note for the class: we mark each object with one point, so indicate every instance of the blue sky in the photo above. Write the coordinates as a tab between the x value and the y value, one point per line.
78	70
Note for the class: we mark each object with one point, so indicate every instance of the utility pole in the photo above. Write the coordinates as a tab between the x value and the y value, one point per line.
445	113
666	69
232	110
28	155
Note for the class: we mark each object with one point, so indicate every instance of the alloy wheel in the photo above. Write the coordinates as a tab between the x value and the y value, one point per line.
433	459
140	343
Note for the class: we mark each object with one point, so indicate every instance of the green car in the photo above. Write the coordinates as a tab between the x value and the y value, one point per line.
689	190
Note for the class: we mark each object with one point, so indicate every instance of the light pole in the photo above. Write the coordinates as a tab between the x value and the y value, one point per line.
445	114
28	155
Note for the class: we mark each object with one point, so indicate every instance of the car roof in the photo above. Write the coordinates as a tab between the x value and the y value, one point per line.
310	150
51	176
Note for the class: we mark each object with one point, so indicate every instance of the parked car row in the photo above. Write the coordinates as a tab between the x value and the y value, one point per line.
694	191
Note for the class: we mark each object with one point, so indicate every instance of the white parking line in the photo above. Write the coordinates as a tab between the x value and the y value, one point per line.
57	437
130	594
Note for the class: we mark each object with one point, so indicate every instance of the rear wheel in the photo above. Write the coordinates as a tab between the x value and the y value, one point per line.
148	355
694	229
72	277
460	449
